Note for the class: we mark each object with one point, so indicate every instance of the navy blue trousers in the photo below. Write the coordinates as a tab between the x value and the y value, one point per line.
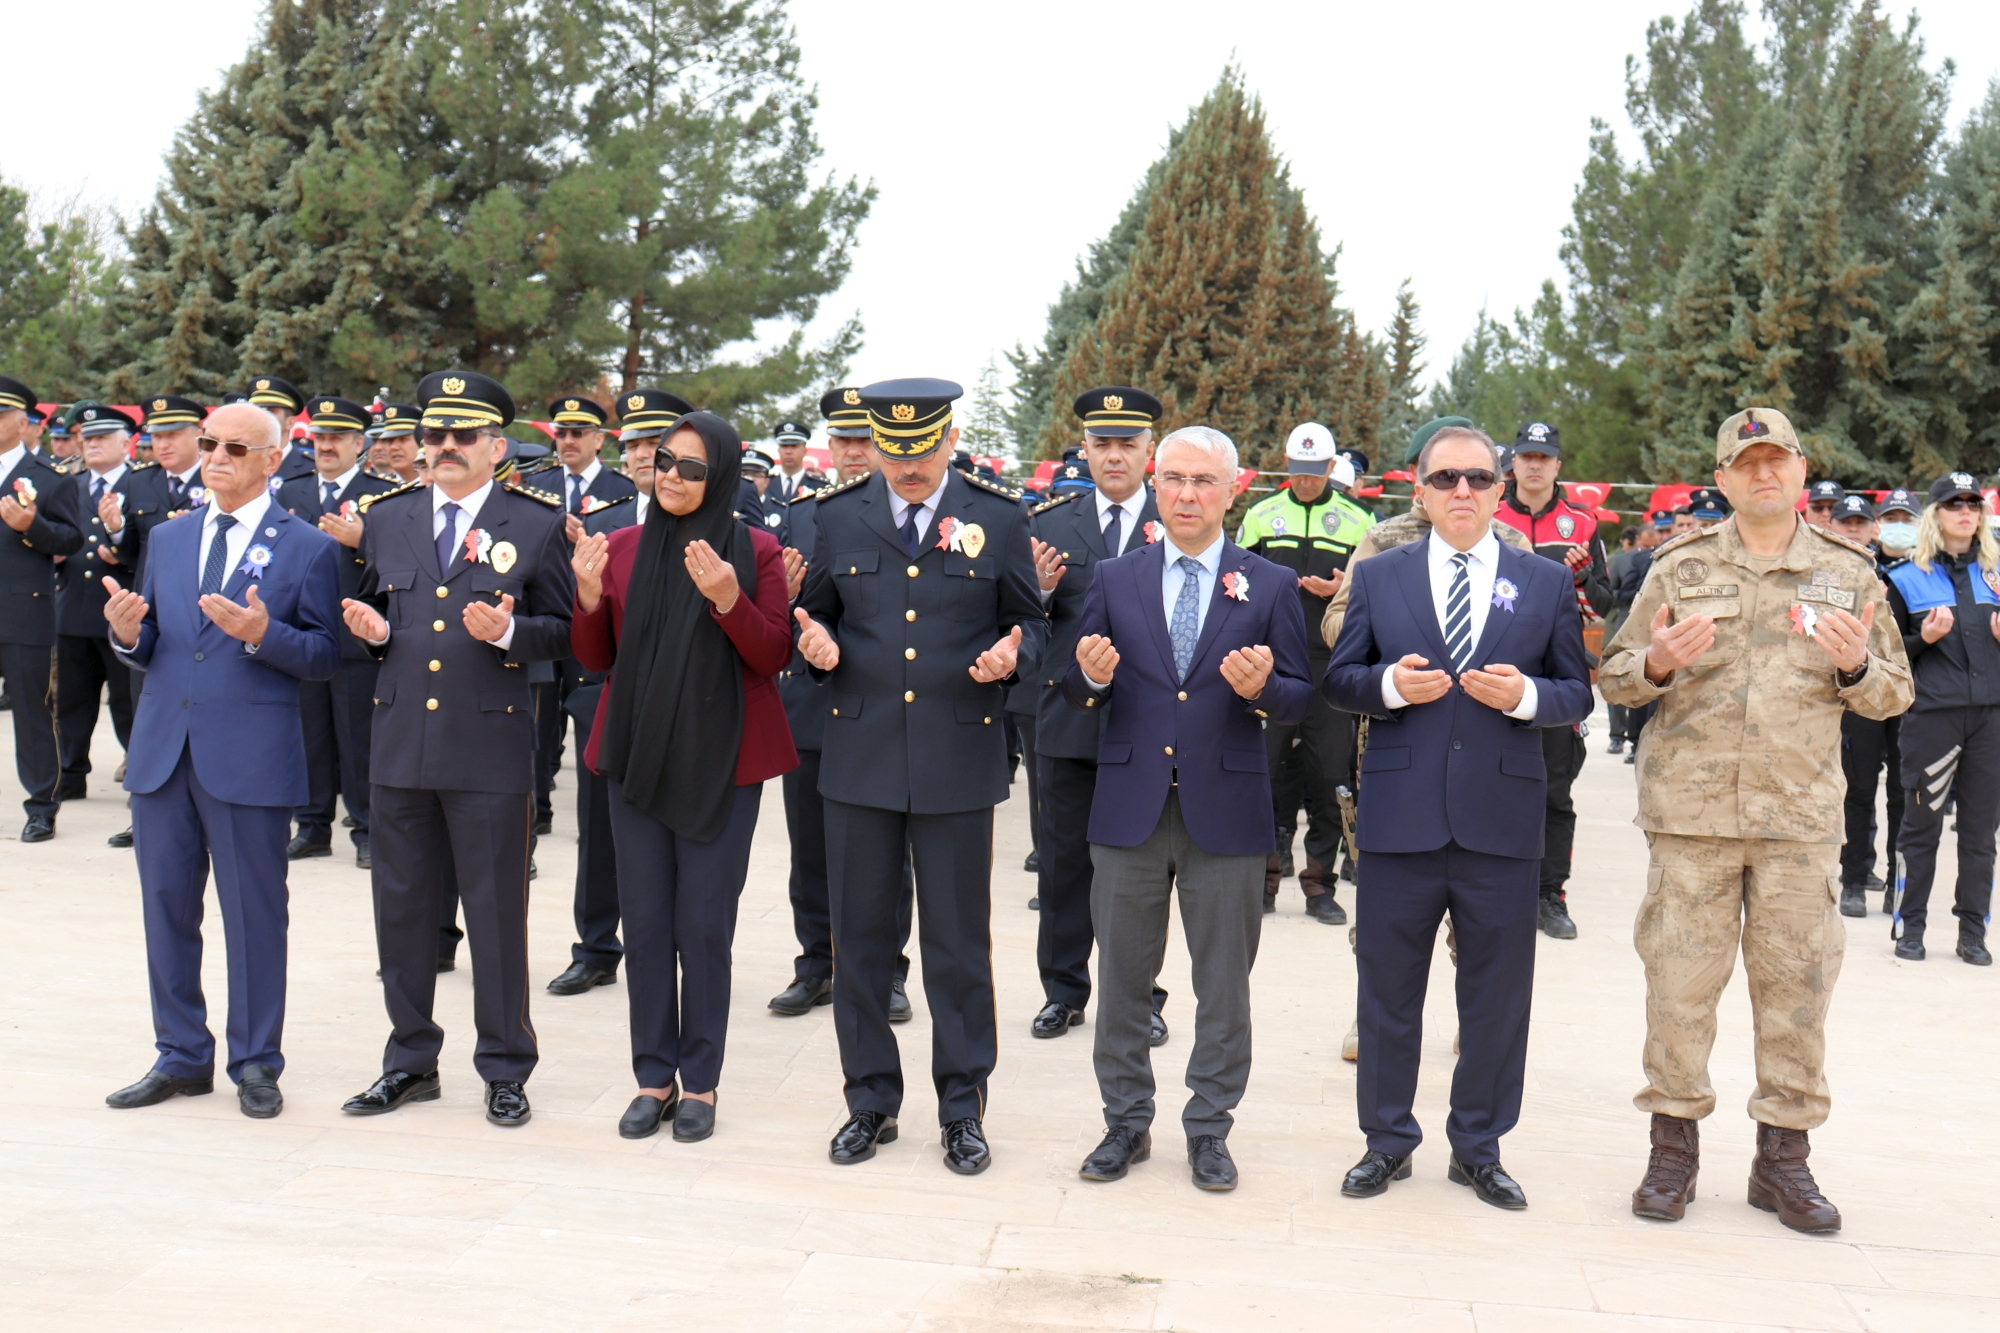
1493	901
178	832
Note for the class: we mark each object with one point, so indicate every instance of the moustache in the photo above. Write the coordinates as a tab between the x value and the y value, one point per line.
447	456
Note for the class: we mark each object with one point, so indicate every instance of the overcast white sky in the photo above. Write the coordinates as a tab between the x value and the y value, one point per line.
1439	142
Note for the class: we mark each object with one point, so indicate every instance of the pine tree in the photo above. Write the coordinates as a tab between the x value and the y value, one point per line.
984	431
1401	412
54	275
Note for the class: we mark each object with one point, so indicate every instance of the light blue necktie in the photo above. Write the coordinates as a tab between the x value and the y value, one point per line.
218	556
1185	627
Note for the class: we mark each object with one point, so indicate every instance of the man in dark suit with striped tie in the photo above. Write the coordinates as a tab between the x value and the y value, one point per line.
1460	649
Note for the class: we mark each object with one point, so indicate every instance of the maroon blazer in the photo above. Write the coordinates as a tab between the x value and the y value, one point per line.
760	629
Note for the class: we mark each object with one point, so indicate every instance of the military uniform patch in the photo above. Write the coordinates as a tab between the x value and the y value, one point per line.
1691	570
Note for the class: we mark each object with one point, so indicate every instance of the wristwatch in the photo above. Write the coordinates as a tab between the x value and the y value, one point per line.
1846	681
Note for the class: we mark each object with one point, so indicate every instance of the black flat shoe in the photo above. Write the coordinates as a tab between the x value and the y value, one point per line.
1490	1182
302	848
1371	1175
858	1138
1910	948
391	1091
802	996
1033	865
364	858
506	1103
580	977
1555	922
1035	903
965	1150
1055	1019
39	828
643	1117
694	1122
544	827
899	1002
1975	953
1121	1149
120	839
1210	1163
1156	1035
1322	908
257	1095
156	1088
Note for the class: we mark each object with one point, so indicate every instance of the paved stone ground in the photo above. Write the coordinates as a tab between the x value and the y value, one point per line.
188	1215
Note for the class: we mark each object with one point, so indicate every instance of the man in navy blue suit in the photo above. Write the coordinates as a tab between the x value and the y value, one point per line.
1460	648
1188	646
239	602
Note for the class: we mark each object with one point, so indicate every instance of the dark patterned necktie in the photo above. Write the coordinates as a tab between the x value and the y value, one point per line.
1458	613
218	556
1185	627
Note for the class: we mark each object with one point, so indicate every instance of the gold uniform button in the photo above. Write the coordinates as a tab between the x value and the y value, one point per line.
438	625
987	720
913	571
909	654
510	708
836	712
444	592
1262	713
1090	703
436	665
909	696
432	704
1170	749
1183	696
909	615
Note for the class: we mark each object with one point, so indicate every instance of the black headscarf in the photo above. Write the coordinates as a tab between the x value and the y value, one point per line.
675	719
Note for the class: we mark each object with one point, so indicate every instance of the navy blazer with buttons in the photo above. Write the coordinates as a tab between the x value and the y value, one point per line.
1198	732
235	712
1455	770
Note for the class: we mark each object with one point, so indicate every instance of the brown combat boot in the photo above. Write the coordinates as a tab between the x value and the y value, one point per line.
1782	1183
1668	1188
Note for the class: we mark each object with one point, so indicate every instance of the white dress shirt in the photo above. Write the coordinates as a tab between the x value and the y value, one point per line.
11	460
1128	522
788	482
926	509
576	485
1481	571
236	541
1171	582
340	483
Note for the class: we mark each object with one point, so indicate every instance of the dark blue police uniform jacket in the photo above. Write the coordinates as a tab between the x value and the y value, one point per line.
236	713
1455	770
1198	733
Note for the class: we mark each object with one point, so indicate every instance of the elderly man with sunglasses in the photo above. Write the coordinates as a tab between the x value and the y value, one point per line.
466	581
237	605
1459	649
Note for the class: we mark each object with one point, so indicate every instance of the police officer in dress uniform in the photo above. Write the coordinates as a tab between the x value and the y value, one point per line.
392	442
44	520
337	714
920	607
284	402
1075	530
1311	527
795	475
464	582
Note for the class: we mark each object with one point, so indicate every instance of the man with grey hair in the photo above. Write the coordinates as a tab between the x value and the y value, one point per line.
1187	646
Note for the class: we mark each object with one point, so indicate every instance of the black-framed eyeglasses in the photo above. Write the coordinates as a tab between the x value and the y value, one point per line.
1447	478
691	469
1961	503
462	438
234	448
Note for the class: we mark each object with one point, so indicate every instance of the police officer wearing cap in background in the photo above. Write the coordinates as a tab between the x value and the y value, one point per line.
1946	598
465	581
392	450
40	507
87	670
1821	497
1073	533
920	607
851	441
1896	525
1706	508
284	402
56	443
795	474
1865	745
759	505
1754	637
1311	527
337	714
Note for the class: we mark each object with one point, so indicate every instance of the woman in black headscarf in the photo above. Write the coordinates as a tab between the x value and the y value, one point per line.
688	612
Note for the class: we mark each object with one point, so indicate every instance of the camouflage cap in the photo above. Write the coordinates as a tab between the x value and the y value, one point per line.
1754	425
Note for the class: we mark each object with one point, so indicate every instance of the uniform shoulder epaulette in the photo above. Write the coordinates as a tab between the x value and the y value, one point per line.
366	500
843	487
67	467
995	487
1056	503
1682	540
381	476
515	488
1847	542
1896	564
142	466
804	495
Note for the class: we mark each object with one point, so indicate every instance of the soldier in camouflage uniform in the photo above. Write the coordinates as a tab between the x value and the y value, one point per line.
1754	636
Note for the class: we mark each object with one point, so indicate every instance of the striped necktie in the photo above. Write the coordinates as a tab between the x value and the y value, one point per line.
1458	613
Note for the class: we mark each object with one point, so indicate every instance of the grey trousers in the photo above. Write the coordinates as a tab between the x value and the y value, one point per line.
1222	911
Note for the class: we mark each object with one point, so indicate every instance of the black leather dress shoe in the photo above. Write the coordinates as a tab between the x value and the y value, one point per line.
899	1002
1910	948
544	826
857	1139
120	839
156	1088
1055	1019
1371	1175
694	1122
1322	908
72	791
363	857
643	1117
965	1150
1555	920
533	873
258	1094
1209	1161
1033	864
1975	952
39	828
580	977
1035	903
1156	1035
1121	1149
507	1103
391	1091
1490	1182
802	996
303	847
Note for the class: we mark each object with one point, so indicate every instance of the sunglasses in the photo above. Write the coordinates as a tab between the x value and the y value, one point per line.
1447	478
462	438
234	448
691	469
574	432
1961	503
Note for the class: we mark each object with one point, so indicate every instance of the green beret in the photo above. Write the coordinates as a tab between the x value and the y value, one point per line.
1421	436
